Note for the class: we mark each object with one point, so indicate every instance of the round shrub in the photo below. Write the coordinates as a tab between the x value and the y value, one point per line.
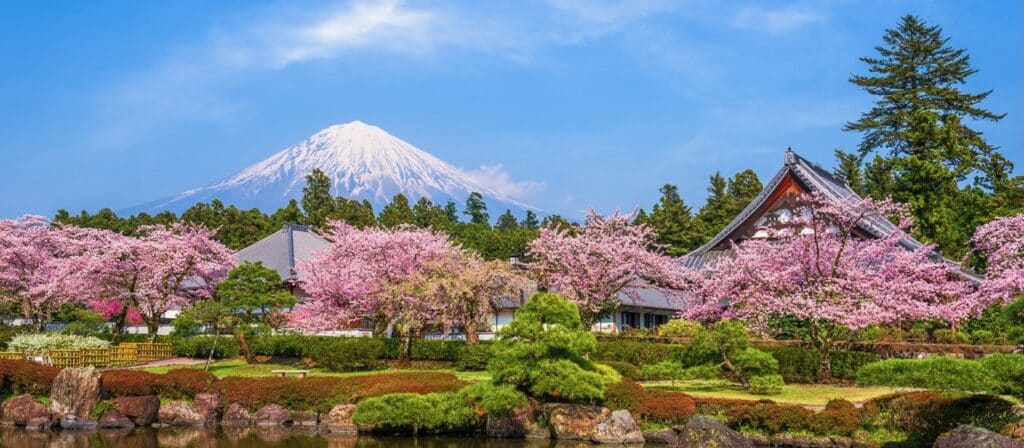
840	417
948	336
766	384
441	412
626	394
925	415
677	328
667	407
127	383
494	398
983	337
625	369
347	354
773	418
751	362
185	382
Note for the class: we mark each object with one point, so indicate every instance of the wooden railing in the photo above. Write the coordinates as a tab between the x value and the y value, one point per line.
125	354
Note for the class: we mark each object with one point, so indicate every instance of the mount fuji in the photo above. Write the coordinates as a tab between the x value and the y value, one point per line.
362	161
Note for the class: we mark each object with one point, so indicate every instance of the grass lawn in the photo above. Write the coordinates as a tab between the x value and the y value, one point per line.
803	394
238	367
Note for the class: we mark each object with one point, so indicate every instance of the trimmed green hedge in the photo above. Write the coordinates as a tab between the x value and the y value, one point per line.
999	374
800	365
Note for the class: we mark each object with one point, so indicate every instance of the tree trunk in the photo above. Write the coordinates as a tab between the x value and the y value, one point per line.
472	334
213	348
121	321
825	370
380	326
406	355
152	326
243	345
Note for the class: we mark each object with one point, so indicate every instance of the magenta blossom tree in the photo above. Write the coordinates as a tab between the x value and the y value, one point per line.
165	267
1001	242
384	274
36	265
819	267
593	264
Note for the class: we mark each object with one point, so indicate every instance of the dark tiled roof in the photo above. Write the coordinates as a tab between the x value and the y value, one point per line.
817	180
283	249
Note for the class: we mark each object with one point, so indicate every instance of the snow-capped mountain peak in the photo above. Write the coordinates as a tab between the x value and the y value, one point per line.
363	162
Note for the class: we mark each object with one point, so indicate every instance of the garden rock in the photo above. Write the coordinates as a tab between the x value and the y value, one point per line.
517	423
181	413
114	419
207	403
72	423
273	415
75	391
339	420
574	421
1015	430
701	431
141	410
24	410
237	415
305	418
965	436
619	427
665	436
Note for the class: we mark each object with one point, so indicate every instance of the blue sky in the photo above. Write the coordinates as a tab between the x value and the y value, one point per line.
581	103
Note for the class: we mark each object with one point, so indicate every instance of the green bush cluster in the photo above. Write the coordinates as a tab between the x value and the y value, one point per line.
625	369
1003	373
347	354
924	415
800	365
637	353
199	346
766	384
408	412
475	357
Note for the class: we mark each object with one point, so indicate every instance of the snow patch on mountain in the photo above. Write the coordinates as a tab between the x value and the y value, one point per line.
363	162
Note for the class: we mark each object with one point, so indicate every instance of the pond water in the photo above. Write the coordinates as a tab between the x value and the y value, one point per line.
248	438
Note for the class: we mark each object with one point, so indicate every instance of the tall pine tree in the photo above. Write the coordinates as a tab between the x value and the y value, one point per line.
397	212
671	221
530	221
317	202
507	221
476	209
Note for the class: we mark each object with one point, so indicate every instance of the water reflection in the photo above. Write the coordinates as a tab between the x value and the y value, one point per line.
247	438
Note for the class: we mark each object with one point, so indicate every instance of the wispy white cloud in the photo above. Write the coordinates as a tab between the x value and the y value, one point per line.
776	21
496	178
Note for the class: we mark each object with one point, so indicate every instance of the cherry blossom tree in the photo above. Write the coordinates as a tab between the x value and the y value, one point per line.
1001	242
163	268
821	268
35	265
468	292
593	264
383	273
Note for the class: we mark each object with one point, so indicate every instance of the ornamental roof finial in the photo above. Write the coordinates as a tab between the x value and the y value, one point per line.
790	156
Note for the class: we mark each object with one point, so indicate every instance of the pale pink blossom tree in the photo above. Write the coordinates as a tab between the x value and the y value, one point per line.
1001	243
36	268
379	273
821	267
469	292
163	268
593	264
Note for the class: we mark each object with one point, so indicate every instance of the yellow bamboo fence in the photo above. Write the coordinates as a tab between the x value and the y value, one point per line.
114	356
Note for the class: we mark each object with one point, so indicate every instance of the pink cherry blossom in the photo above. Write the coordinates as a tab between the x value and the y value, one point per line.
593	264
823	269
1001	242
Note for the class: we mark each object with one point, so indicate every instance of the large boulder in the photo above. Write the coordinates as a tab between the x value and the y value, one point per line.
702	431
141	410
620	427
75	391
339	420
519	422
181	413
237	415
574	421
965	436
273	415
207	403
24	410
114	419
664	436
